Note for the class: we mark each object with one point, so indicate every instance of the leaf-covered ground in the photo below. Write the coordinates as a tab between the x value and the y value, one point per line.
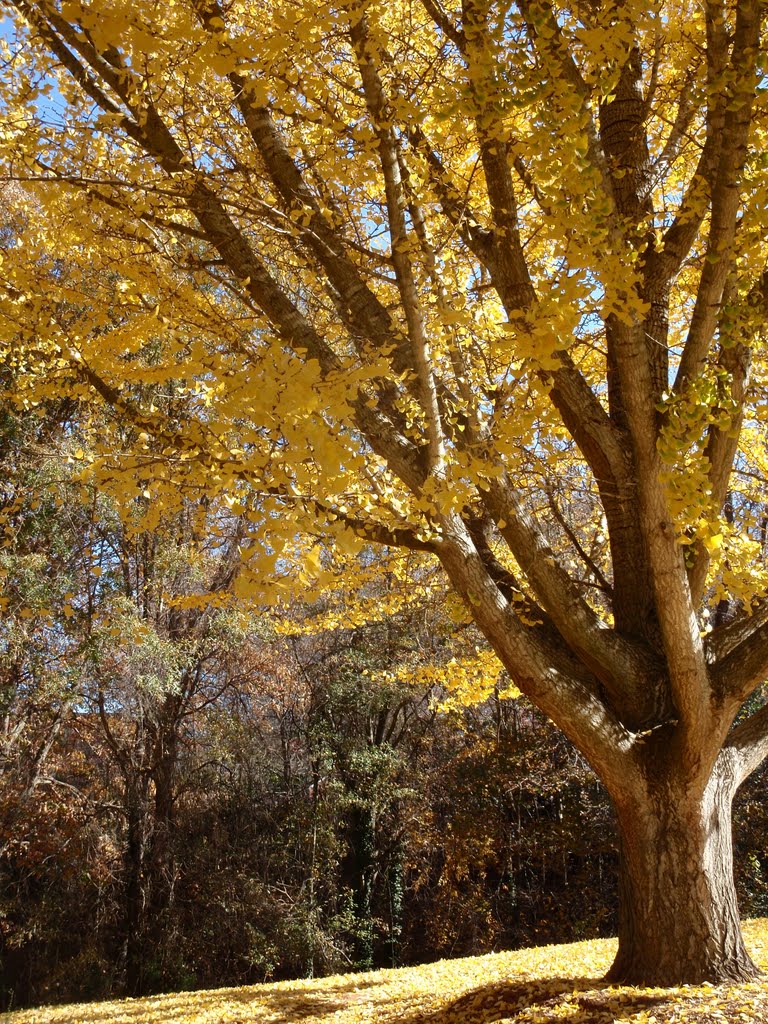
531	986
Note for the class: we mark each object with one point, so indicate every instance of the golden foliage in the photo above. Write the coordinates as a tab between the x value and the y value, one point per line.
531	986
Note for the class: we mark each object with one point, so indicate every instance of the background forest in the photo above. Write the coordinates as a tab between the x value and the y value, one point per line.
198	792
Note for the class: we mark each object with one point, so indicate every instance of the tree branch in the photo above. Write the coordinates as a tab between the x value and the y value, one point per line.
572	700
582	413
741	653
749	741
724	203
723	640
377	533
381	115
438	14
589	563
623	668
682	642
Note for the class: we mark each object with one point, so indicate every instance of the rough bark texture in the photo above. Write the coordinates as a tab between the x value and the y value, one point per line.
679	919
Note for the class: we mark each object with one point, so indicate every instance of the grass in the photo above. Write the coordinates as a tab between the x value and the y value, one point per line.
546	985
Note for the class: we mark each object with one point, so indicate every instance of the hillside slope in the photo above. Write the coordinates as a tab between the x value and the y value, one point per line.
545	985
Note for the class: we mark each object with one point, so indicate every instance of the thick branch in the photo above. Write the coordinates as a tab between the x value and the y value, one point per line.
665	261
723	640
555	52
381	115
737	673
627	672
405	536
749	741
677	617
581	411
721	449
725	198
510	267
572	701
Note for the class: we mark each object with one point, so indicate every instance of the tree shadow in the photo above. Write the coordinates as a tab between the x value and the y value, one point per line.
599	1004
590	1000
278	1006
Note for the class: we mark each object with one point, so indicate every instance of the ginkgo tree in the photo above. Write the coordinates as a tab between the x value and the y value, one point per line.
484	280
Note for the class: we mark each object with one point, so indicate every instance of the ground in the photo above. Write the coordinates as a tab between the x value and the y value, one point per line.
546	985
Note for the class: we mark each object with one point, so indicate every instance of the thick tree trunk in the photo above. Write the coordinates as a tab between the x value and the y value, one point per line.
678	915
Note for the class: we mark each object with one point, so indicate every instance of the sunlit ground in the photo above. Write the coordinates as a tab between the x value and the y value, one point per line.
532	986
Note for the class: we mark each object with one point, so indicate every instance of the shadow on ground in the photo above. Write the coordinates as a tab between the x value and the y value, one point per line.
594	1003
373	999
275	1007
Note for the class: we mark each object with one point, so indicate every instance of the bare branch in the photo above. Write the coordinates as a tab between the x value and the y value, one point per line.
589	563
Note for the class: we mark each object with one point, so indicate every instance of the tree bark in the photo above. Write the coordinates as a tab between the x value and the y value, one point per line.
678	914
133	906
360	865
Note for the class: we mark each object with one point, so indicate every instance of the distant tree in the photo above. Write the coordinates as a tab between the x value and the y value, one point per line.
157	653
39	655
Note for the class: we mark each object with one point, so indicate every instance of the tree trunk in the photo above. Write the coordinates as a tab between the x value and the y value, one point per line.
678	914
361	868
133	861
